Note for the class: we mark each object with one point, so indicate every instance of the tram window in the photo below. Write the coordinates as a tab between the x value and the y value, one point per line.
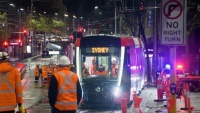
100	65
85	69
114	66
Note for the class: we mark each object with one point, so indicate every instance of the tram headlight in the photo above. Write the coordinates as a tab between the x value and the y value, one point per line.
116	91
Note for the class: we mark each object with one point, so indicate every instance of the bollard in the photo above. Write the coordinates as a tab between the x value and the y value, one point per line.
124	104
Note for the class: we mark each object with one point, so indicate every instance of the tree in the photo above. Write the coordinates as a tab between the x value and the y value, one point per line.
44	24
193	16
3	32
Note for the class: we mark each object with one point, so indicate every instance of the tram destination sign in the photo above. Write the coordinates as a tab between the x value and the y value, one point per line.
100	50
173	22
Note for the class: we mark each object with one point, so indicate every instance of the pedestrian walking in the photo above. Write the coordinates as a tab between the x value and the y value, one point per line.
10	86
65	91
37	75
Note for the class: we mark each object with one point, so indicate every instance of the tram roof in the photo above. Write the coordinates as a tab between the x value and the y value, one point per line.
101	40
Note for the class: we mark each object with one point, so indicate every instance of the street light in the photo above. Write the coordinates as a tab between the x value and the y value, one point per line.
66	15
96	7
74	22
11	4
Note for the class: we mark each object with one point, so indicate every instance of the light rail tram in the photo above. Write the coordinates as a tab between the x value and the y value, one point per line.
109	67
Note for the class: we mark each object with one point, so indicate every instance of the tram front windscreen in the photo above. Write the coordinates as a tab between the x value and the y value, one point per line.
100	63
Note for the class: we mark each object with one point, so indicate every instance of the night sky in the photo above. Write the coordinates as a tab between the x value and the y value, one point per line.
77	7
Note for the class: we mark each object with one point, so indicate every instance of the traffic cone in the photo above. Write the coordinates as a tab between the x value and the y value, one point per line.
134	94
124	104
184	94
167	93
189	106
136	105
167	83
171	103
159	91
188	99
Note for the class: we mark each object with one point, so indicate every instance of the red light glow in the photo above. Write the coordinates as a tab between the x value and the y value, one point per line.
5	43
179	66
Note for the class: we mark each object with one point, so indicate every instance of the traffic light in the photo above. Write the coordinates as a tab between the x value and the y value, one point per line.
80	28
141	5
5	44
77	35
71	37
20	42
24	32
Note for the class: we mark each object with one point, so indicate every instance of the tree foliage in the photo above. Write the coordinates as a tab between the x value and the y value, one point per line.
3	32
43	23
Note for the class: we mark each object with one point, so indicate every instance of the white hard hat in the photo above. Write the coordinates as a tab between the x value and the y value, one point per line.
64	60
4	56
114	60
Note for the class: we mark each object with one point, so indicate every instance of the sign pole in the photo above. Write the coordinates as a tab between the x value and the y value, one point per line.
173	76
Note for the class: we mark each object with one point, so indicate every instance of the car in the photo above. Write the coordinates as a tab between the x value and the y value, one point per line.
179	71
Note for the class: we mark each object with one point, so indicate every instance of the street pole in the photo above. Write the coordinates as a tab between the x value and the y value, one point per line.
73	24
20	35
120	22
31	27
155	43
88	31
115	19
173	76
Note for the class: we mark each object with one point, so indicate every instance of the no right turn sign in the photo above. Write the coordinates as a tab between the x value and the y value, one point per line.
173	22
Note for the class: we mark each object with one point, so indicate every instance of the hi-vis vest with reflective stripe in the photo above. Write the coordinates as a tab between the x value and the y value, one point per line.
67	87
10	90
44	71
36	71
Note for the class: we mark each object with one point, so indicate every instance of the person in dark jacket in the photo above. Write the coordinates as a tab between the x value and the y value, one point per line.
65	91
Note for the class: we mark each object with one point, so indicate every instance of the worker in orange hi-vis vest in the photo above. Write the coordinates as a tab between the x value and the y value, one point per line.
37	75
114	67
10	86
93	67
44	74
50	70
55	68
50	73
65	91
101	71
